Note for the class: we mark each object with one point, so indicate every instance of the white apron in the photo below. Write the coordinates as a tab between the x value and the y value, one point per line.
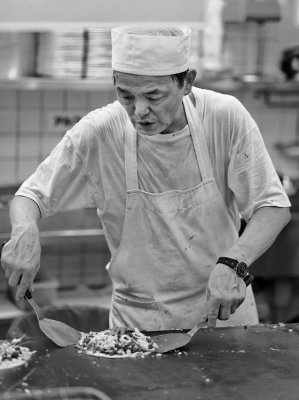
170	243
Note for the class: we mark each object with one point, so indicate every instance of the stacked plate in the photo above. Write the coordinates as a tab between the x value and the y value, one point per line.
60	53
99	53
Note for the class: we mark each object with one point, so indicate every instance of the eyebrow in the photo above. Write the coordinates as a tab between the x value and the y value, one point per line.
152	92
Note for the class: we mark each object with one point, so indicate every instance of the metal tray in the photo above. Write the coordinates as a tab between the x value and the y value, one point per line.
62	393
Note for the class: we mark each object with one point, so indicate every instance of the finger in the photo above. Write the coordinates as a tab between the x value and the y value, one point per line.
3	266
233	308
25	283
213	311
212	318
1	248
15	278
224	312
2	262
8	273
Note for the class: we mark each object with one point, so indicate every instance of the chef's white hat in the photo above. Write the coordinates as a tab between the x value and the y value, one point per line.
147	51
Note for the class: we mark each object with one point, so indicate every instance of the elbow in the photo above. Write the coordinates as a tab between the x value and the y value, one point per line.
286	216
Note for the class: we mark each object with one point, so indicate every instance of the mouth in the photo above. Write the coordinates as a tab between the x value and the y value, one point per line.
144	124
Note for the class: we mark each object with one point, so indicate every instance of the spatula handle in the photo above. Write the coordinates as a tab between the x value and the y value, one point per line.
197	327
32	302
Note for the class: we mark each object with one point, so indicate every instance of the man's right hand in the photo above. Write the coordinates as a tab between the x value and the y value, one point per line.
20	258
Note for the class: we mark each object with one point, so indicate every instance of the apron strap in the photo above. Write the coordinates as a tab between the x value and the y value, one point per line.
131	157
199	141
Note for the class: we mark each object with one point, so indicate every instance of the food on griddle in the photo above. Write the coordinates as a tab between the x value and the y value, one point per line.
117	343
13	355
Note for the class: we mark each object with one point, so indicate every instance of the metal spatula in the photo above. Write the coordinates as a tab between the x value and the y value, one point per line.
172	341
61	334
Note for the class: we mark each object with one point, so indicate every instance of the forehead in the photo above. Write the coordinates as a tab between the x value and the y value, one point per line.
126	81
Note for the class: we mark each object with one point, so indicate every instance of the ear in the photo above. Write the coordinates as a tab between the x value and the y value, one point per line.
189	80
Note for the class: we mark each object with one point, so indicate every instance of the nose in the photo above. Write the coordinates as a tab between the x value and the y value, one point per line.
141	108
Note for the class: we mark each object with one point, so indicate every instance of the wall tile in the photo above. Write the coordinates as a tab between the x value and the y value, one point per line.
7	171
291	119
272	30
8	120
29	146
7	145
8	98
52	260
49	142
69	268
53	99
29	99
76	100
101	98
29	121
27	167
272	124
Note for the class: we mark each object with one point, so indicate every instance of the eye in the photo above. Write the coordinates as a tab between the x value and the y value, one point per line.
127	98
155	98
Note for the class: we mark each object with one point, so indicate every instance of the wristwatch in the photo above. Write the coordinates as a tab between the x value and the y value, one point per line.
240	268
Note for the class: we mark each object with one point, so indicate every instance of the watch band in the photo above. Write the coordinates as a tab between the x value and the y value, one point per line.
248	279
230	262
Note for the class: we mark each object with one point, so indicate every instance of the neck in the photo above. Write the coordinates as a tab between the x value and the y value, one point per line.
178	123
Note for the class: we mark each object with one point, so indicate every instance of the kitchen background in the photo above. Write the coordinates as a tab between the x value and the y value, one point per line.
51	74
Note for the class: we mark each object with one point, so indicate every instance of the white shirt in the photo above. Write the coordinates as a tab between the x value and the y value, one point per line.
86	169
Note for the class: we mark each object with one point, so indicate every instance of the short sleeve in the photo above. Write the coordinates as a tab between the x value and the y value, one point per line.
60	182
251	173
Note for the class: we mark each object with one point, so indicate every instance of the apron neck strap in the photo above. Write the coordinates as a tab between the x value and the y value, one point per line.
199	141
131	157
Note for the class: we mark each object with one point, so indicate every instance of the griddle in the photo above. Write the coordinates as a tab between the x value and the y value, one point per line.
259	362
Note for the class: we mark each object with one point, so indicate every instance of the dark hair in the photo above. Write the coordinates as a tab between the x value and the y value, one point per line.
180	77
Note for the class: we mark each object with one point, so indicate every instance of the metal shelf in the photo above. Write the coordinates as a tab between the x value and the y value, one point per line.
285	94
32	83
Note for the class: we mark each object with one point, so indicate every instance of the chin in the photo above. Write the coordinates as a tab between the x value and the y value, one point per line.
146	132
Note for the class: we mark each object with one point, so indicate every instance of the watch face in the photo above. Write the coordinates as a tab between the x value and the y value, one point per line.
241	269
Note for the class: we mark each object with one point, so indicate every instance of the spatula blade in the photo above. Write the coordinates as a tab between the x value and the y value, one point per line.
170	341
61	334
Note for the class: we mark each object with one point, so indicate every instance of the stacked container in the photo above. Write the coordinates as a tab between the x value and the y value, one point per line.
60	53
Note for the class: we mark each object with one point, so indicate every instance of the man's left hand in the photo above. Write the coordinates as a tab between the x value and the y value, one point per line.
225	293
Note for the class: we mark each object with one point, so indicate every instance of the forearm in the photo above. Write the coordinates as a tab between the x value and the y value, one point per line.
24	215
226	291
259	234
21	254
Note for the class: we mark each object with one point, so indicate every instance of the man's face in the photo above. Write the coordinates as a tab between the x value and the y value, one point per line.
153	103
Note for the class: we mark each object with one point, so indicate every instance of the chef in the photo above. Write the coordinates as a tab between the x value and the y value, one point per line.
170	168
